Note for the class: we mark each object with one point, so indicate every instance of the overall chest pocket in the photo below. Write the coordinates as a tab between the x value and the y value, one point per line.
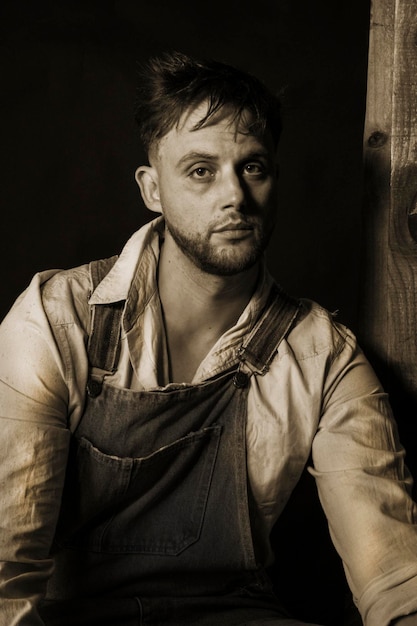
151	505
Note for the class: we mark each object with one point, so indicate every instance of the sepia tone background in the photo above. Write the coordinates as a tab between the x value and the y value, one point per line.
69	149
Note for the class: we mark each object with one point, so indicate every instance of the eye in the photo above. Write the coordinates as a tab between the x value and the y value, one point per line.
254	169
201	173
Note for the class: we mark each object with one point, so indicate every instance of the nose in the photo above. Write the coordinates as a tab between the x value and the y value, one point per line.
233	192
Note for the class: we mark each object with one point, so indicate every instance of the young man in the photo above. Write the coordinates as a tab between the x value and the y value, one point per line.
159	408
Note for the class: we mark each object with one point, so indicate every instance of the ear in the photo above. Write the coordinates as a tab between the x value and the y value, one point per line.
147	179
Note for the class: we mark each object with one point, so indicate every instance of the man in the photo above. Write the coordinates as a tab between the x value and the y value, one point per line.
159	408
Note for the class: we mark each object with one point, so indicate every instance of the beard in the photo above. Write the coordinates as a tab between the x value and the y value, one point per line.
226	260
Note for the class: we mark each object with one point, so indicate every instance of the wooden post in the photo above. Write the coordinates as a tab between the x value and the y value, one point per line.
388	329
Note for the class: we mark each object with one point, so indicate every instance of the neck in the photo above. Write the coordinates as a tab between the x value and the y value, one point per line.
194	298
197	308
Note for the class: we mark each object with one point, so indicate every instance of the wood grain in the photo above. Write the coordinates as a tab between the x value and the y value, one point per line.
388	316
389	306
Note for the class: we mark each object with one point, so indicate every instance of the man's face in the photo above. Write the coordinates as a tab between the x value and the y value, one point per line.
217	191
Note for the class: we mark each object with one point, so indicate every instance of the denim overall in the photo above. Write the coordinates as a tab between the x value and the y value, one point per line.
156	521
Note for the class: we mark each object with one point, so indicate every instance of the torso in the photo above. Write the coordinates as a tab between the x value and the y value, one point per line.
186	353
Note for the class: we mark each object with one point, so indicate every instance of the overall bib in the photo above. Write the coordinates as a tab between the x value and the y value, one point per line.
156	522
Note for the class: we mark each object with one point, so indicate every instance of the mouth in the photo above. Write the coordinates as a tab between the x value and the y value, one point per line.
234	232
233	227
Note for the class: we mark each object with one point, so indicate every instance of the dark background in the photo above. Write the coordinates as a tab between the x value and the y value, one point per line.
69	145
69	151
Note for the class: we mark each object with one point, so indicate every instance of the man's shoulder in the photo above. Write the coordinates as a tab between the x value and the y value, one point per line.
66	280
317	331
65	295
82	279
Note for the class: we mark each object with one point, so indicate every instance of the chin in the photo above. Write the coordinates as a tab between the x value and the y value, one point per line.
228	266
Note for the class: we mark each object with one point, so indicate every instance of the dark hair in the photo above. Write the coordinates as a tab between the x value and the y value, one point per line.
172	82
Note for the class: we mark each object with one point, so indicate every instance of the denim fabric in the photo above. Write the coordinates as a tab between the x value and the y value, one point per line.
164	612
155	504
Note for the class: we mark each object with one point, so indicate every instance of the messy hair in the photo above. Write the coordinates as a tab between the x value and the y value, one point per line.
173	82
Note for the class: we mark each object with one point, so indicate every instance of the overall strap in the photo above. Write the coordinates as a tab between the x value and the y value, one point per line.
275	322
103	344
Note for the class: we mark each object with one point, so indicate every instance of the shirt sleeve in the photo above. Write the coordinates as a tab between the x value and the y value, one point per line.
34	441
365	489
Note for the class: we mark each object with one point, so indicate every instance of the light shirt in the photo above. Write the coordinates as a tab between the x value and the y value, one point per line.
320	395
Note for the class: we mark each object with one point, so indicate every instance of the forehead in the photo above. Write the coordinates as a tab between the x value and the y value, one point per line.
221	130
226	116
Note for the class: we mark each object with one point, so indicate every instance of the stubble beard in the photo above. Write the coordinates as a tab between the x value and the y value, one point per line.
223	262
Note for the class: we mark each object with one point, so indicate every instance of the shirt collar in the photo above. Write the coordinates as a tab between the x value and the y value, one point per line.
144	245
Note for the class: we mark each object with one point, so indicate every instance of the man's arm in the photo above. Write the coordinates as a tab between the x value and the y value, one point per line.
365	489
34	442
32	470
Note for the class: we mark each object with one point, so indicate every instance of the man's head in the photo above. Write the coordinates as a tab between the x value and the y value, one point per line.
171	84
211	132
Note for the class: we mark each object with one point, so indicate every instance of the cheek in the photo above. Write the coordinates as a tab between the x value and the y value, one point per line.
271	203
176	194
264	194
181	213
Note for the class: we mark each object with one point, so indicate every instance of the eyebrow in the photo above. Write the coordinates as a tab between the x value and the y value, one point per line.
196	156
207	156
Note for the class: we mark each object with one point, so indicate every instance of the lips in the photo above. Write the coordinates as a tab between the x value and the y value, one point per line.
233	226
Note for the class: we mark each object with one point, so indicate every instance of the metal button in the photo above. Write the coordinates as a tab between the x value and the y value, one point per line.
94	388
240	379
